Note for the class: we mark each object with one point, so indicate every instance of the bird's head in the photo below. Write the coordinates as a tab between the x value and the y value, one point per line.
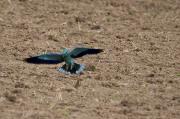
65	52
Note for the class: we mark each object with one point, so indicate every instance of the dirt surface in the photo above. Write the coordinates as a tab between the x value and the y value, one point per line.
136	77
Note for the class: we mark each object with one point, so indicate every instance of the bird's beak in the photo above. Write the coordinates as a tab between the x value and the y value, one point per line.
62	49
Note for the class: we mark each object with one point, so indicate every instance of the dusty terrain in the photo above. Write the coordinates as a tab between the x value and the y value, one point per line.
136	77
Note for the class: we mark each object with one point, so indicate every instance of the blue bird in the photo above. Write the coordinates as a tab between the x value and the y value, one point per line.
70	67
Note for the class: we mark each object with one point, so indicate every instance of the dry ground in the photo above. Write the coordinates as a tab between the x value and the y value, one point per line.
136	77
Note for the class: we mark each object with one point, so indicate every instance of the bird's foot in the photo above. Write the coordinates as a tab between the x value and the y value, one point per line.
76	69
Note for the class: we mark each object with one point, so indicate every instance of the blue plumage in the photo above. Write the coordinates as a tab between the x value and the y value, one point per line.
70	67
49	58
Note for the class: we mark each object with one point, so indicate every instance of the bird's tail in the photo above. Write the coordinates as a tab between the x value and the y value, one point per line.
76	69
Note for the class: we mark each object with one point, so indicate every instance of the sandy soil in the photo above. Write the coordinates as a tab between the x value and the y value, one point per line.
136	77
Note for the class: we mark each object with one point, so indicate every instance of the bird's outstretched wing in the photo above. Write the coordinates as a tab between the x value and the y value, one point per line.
49	58
79	52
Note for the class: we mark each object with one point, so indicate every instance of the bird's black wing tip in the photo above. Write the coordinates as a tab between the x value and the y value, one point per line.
31	60
95	51
36	60
100	50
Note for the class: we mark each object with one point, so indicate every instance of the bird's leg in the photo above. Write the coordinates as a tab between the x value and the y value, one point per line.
69	63
72	65
67	67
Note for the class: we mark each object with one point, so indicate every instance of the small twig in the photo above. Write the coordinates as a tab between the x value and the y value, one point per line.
79	26
1	19
78	83
9	1
58	98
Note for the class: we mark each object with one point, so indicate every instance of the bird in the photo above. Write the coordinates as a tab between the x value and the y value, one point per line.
70	66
